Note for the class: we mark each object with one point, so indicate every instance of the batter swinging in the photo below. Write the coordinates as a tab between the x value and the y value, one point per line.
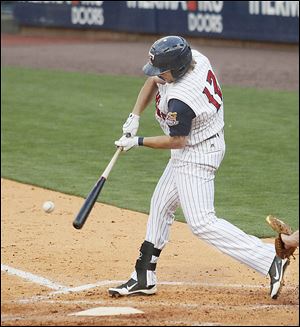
189	109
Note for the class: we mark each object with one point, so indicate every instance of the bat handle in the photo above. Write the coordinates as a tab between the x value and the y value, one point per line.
111	163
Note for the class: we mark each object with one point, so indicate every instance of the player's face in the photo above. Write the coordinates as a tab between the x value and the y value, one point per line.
166	76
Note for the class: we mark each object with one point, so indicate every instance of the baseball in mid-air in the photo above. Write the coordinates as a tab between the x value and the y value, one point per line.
48	206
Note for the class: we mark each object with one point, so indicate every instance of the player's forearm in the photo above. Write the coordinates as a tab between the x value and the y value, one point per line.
165	142
145	96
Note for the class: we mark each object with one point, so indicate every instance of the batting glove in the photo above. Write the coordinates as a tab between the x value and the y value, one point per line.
127	143
131	125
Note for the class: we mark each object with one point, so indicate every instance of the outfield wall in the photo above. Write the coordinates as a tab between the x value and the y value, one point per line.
267	21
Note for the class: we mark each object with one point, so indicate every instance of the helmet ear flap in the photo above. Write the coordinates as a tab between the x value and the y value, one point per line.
187	59
179	72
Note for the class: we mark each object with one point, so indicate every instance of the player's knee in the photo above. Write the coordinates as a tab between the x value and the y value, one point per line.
197	229
200	224
160	209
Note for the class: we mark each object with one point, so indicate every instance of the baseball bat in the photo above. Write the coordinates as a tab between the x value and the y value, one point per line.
94	193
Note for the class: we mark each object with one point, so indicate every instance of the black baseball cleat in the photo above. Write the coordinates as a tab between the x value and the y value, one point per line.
276	273
131	287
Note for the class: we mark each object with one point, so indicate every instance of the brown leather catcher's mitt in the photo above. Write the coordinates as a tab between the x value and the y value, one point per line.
281	228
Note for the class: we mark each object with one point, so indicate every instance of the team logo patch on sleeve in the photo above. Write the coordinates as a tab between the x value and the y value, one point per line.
171	119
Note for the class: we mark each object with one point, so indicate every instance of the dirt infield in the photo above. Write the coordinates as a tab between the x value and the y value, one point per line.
197	284
50	270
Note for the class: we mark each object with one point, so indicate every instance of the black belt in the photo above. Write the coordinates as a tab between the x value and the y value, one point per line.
212	137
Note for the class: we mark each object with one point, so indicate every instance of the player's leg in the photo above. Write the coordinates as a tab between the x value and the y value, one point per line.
196	196
197	206
164	203
195	184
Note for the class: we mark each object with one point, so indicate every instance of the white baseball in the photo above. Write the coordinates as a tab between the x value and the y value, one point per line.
48	206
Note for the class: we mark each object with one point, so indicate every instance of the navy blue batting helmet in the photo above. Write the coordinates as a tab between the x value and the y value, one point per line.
169	53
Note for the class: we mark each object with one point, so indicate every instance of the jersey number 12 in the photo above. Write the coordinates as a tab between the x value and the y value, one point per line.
211	78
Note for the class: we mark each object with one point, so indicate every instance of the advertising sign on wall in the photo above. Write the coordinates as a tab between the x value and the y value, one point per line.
276	21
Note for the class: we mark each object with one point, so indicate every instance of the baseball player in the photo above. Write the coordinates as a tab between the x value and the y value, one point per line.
189	109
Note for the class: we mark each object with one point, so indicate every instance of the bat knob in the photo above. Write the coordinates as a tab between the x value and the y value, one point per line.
76	225
128	134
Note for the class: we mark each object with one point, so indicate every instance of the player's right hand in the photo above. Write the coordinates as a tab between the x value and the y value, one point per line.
131	125
127	143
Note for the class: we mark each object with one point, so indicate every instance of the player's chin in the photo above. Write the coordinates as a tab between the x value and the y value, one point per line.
159	80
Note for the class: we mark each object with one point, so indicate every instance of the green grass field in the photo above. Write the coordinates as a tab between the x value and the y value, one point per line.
58	131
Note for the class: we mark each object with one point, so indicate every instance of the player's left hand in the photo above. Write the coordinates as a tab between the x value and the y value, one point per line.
127	143
131	125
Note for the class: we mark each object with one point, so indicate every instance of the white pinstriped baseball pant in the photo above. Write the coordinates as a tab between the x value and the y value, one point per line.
192	187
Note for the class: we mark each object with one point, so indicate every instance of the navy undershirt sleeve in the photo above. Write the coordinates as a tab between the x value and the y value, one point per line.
179	118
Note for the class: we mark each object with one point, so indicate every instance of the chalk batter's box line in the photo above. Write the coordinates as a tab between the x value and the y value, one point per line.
63	289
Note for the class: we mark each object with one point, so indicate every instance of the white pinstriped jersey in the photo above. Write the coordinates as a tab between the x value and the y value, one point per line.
200	90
